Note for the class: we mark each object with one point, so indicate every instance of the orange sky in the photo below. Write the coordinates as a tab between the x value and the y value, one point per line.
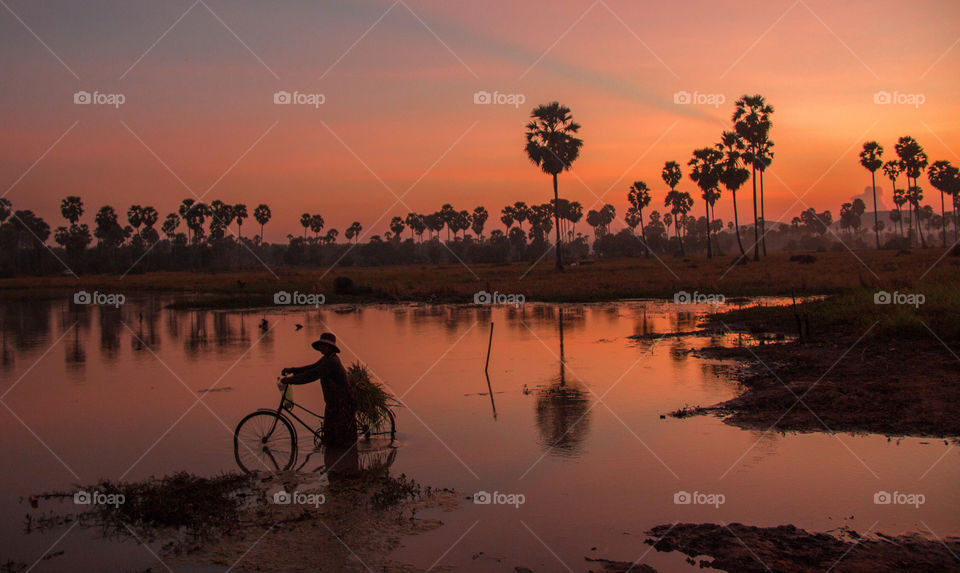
399	113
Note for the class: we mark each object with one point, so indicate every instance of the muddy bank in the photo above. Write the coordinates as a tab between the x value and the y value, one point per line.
737	547
343	521
865	375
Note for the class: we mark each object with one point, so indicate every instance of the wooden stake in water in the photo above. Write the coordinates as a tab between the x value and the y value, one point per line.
486	372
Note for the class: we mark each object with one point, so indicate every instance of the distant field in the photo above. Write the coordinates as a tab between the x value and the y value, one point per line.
602	280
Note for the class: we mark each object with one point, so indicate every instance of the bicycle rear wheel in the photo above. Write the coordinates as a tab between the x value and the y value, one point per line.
385	426
265	440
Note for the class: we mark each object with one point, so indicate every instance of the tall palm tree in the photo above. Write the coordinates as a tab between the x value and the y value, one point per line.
240	213
892	170
680	203
262	214
914	161
764	159
945	177
706	170
305	219
397	227
734	174
751	121
872	159
478	221
639	197
316	225
553	147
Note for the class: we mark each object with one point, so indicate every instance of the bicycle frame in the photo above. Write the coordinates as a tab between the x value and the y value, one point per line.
282	413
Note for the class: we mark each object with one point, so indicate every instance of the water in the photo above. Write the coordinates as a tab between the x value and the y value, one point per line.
96	392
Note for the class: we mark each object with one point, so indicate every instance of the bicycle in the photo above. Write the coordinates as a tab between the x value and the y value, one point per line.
267	438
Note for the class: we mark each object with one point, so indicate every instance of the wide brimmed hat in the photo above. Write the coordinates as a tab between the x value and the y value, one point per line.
327	340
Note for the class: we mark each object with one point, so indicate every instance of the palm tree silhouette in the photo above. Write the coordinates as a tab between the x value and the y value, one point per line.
240	213
707	168
943	176
913	160
892	170
764	159
506	217
734	174
680	203
551	145
639	197
872	159
478	220
316	225
751	121
305	223
520	213
262	215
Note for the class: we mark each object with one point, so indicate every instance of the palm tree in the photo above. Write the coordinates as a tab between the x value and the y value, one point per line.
943	176
751	121
506	217
764	159
240	213
915	195
135	218
397	227
639	197
72	209
872	159
892	170
316	225
262	215
478	220
520	212
913	160
355	229
680	203
734	174
552	146
707	168
170	225
305	219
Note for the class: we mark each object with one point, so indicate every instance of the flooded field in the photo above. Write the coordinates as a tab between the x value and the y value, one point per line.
571	448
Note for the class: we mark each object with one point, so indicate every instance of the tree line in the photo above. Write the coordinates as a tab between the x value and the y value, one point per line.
198	235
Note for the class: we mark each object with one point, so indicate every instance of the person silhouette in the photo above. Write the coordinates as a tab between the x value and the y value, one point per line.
339	394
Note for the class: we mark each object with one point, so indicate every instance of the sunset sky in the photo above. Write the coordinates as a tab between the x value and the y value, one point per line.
399	117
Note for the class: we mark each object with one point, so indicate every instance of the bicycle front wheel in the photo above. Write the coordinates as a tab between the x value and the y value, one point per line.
265	440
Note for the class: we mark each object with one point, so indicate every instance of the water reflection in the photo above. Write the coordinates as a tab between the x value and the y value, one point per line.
562	408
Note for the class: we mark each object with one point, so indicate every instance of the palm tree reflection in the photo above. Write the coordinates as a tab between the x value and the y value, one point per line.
562	413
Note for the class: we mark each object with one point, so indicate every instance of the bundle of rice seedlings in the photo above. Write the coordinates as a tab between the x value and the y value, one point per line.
373	399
